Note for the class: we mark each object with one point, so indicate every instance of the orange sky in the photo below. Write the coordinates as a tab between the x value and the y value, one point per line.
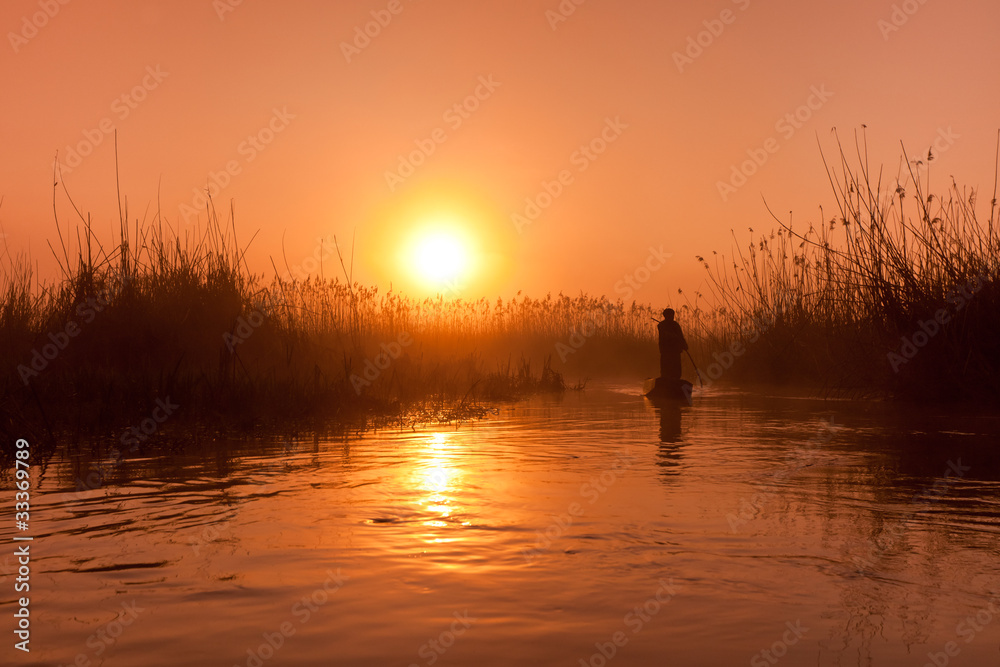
186	83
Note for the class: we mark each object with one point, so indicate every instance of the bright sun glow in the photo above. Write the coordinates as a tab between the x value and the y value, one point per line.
442	239
441	258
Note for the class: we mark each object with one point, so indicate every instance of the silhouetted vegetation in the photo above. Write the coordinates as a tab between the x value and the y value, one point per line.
161	332
897	293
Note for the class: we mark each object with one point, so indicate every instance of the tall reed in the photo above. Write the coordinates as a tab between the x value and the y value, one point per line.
896	292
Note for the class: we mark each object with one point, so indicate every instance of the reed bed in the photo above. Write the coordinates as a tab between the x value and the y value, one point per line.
159	320
897	293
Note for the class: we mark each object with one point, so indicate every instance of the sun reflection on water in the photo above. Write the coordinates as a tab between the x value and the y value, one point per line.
439	479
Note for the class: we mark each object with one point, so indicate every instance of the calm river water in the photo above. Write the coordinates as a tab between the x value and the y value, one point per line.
590	529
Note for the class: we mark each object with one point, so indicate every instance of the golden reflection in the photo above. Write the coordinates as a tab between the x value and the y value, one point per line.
439	481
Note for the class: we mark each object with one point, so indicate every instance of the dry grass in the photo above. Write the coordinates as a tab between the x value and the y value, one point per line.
840	299
158	316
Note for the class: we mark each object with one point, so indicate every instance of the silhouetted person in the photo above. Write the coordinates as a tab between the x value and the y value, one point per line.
672	344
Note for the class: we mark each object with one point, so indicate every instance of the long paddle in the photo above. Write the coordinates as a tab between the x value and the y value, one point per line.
700	381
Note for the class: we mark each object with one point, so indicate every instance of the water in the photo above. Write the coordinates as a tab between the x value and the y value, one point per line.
559	531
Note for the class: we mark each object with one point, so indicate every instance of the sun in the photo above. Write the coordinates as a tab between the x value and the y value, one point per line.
440	257
442	239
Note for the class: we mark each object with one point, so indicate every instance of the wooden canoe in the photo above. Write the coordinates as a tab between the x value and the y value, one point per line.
658	389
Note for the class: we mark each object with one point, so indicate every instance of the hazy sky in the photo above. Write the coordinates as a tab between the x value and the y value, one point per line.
619	120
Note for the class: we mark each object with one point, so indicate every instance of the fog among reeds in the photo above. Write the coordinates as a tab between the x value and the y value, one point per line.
160	316
894	294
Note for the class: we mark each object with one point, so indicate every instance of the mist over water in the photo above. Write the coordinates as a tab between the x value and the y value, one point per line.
594	527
